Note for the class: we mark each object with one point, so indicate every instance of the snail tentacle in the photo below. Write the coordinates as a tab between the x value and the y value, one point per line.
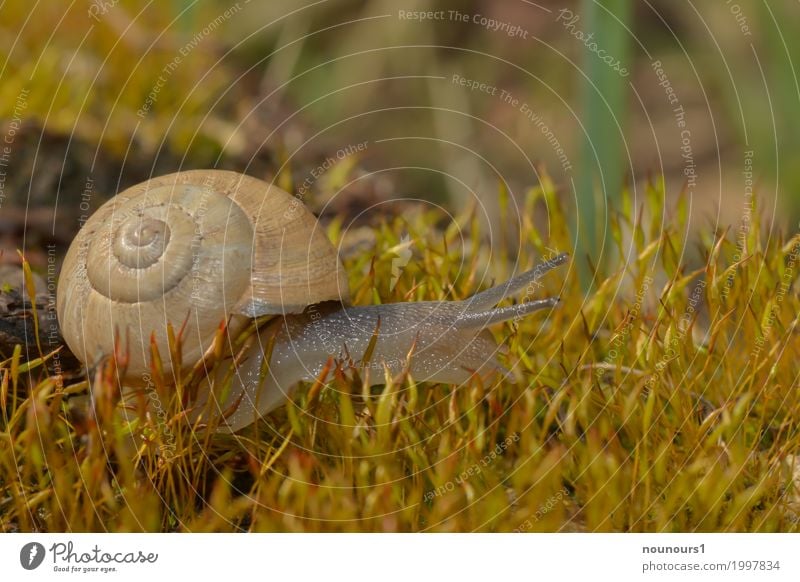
500	314
491	297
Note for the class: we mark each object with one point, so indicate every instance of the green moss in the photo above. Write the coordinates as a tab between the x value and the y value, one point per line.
122	80
666	400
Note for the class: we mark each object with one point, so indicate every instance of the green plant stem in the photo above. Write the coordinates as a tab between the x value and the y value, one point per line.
603	152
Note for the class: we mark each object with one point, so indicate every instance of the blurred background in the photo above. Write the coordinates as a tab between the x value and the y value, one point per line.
350	104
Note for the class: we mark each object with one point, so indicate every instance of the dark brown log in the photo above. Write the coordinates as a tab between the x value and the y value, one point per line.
17	325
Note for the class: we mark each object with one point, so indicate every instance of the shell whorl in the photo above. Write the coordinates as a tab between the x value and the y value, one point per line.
146	248
194	249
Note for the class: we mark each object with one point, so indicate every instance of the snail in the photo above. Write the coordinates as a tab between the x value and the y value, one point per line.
197	248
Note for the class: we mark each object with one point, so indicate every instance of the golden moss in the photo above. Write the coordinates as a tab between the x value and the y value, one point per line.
118	77
666	399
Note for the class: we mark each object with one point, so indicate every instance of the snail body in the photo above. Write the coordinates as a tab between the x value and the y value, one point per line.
435	341
199	248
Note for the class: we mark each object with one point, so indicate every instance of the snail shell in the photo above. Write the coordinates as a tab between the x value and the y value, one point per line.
193	248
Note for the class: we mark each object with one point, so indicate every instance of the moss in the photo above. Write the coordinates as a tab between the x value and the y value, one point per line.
663	400
118	78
